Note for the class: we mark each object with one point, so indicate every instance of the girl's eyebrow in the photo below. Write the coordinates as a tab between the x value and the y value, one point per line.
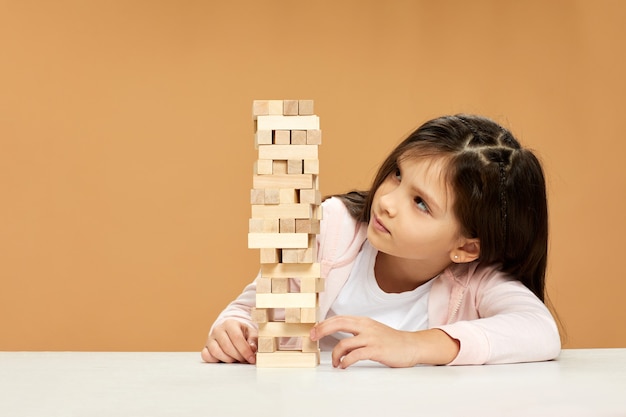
431	202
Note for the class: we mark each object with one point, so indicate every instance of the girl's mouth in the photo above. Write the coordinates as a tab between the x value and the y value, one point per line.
378	225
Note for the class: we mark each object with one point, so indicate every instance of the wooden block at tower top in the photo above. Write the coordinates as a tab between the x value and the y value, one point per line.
305	107
275	107
278	240
260	107
266	107
288	300
290	107
287	359
272	122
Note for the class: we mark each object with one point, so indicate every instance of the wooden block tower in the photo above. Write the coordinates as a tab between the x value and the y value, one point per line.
285	220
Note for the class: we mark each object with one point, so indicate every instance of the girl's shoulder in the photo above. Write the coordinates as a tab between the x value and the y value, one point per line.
341	235
478	275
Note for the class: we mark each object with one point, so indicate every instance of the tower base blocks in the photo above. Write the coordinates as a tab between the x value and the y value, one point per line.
286	214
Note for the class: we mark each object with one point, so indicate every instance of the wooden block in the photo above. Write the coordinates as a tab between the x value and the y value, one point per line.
311	226
279	167
308	315
282	137
283	180
290	256
299	256
287	225
282	359
286	152
282	211
294	166
290	107
263	285
263	167
305	107
289	300
272	196
309	196
280	270
257	197
278	240
309	346
262	315
260	107
282	329
308	122
270	256
275	107
311	284
264	226
267	344
292	315
298	137
262	137
317	212
289	196
311	166
279	285
314	137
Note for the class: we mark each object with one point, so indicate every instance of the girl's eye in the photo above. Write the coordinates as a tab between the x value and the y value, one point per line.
397	175
421	204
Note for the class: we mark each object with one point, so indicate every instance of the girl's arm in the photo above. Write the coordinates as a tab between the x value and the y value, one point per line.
233	336
514	326
375	341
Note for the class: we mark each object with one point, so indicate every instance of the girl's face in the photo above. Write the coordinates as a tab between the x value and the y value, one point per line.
411	215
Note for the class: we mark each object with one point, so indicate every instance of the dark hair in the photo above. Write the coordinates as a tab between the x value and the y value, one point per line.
499	189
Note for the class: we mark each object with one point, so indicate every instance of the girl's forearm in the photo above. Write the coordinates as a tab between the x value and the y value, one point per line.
435	347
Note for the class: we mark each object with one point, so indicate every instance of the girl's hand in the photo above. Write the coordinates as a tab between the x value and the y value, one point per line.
231	341
375	341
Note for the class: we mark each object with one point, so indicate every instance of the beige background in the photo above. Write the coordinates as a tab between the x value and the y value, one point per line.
126	145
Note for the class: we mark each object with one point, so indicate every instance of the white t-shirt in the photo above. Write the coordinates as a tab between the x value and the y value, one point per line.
361	296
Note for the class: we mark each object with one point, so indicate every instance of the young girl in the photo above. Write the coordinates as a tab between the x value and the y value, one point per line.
442	261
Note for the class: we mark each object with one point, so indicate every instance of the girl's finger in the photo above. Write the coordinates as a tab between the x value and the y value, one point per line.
346	324
215	351
344	348
355	356
226	345
207	357
239	340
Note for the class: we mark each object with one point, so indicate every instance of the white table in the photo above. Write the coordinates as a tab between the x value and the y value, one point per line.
581	383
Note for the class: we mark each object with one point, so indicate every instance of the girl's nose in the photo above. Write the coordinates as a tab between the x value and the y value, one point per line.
388	204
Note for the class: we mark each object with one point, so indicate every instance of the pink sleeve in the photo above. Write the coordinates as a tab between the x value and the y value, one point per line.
514	326
240	308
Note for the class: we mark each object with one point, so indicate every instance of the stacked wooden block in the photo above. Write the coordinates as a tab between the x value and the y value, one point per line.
285	219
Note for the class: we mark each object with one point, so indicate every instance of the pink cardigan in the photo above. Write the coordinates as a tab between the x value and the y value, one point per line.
495	317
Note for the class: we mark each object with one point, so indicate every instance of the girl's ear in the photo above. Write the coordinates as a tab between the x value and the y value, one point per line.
468	252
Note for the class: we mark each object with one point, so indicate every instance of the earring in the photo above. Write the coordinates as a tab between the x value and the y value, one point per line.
456	257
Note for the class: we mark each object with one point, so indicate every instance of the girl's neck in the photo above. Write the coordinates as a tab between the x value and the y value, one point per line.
396	275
